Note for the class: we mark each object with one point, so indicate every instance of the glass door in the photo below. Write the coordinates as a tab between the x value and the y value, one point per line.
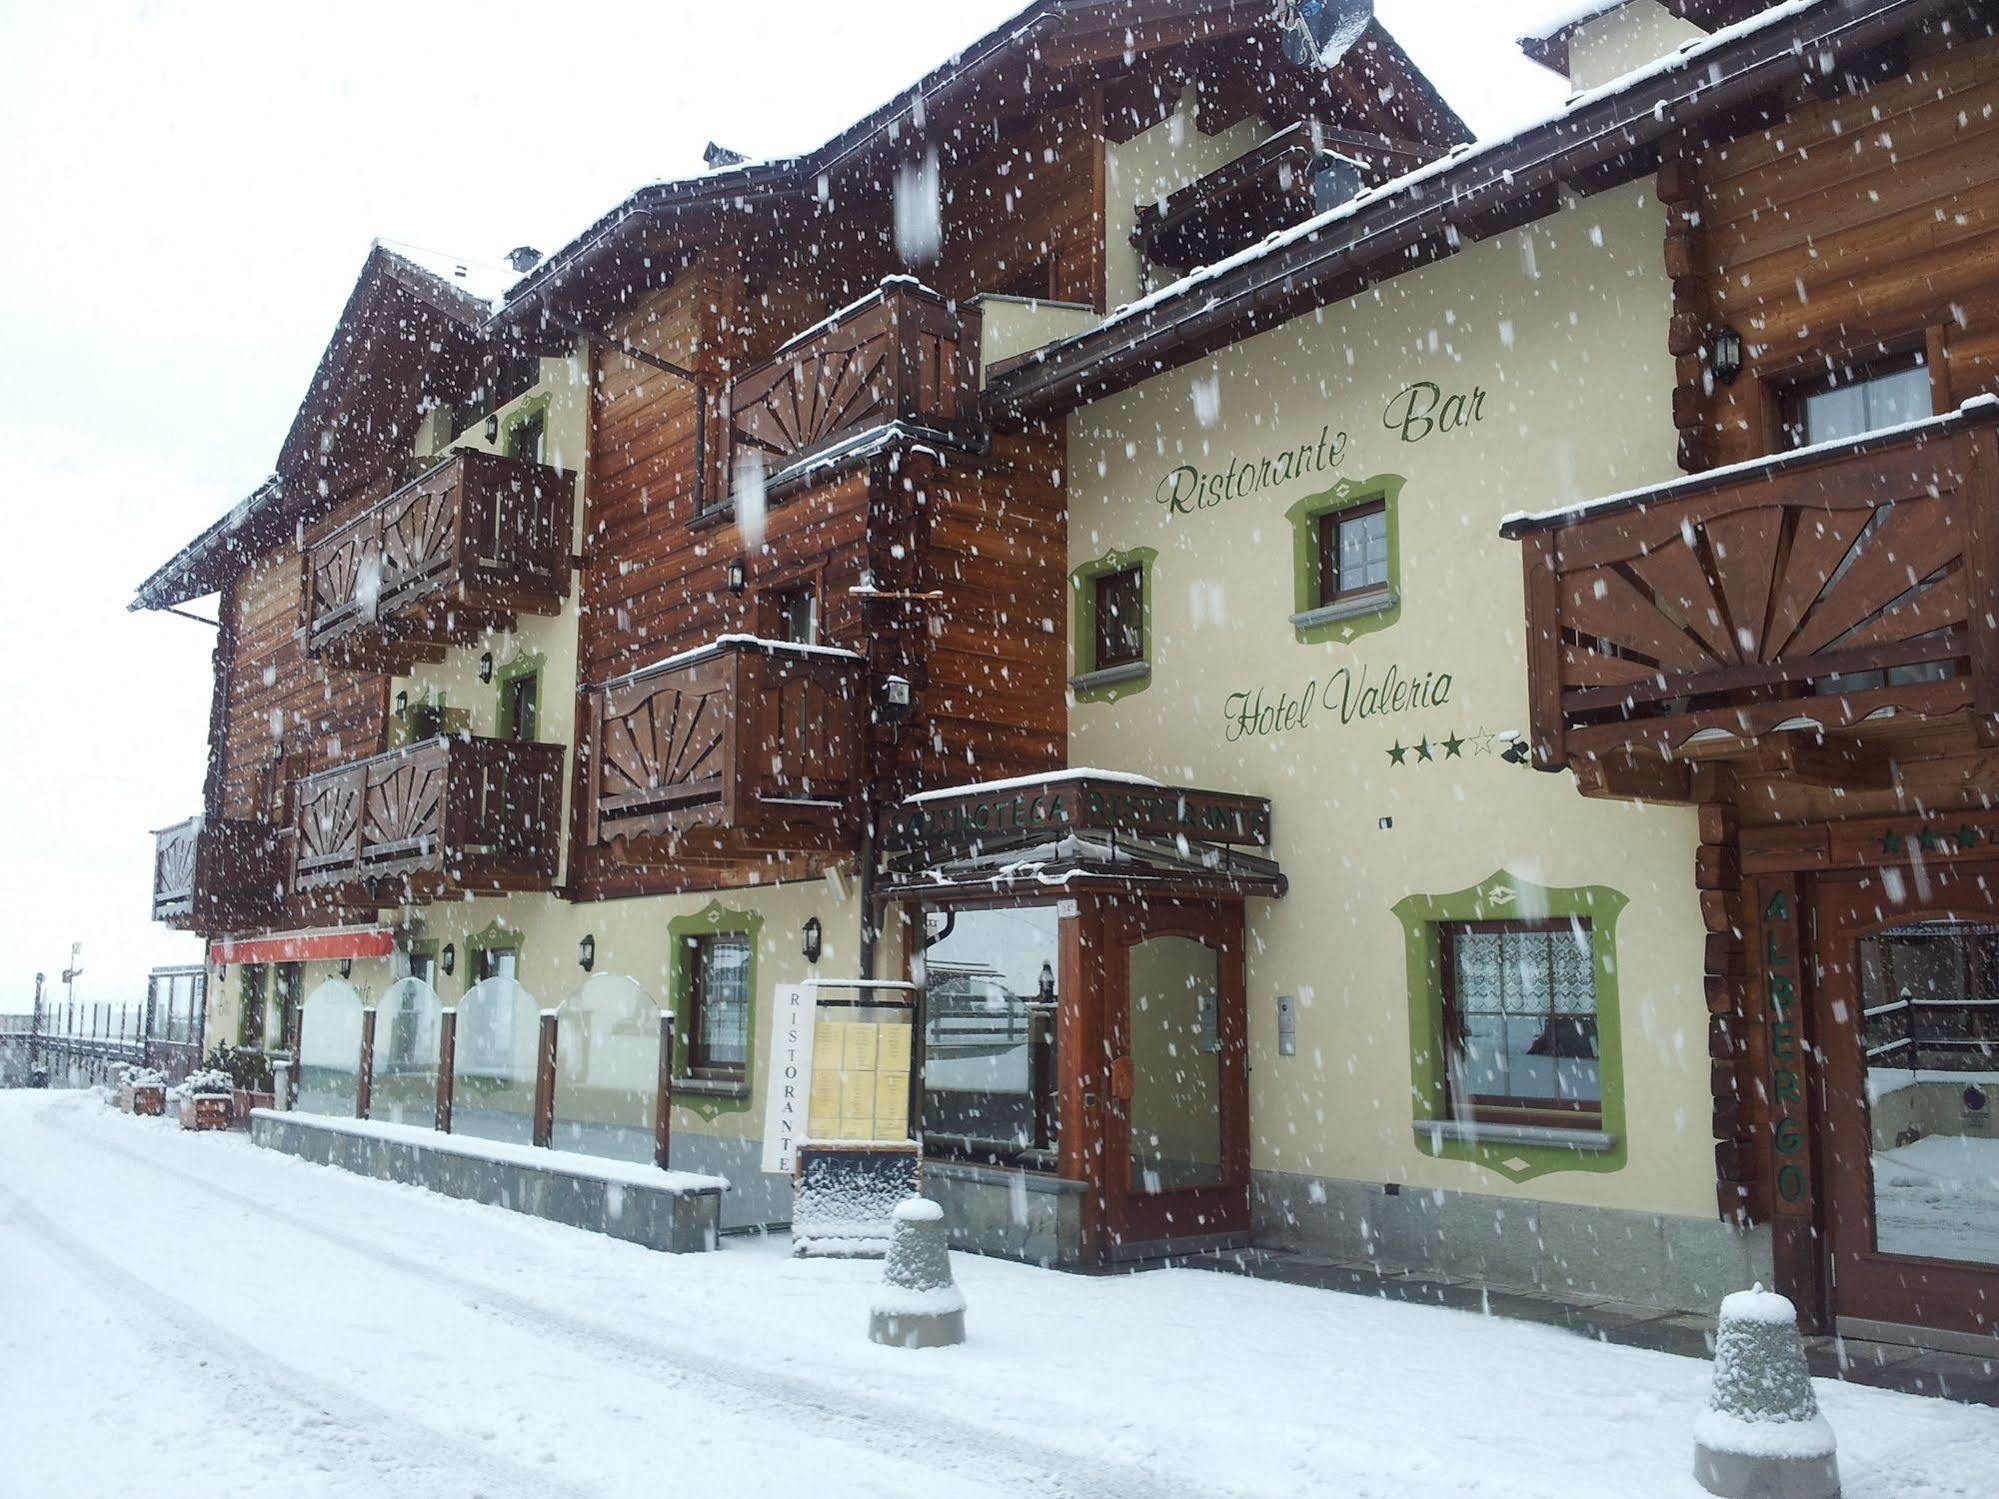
1177	1133
1909	1016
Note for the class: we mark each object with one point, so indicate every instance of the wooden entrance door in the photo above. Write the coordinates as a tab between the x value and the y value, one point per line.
1176	1160
1908	1029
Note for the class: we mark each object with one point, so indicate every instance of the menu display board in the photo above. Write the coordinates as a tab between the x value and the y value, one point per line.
860	1074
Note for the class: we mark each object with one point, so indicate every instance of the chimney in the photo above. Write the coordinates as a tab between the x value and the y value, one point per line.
722	156
1322	31
523	258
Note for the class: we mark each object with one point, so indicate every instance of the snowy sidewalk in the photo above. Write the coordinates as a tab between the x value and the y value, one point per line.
185	1314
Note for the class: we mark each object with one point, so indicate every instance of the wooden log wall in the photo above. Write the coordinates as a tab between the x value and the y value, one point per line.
278	698
1861	224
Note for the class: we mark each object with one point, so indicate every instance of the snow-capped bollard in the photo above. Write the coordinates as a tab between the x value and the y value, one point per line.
1762	1436
917	1305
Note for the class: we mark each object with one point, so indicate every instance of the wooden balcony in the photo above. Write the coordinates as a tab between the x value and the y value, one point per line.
451	815
741	745
462	549
1847	589
902	354
217	876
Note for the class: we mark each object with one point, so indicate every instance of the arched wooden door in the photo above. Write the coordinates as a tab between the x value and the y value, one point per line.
1907	1025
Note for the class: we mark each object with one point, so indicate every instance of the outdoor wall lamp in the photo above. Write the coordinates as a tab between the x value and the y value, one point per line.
493	430
486	667
739	576
1047	982
1724	354
448	959
347	968
402	703
813	934
586	952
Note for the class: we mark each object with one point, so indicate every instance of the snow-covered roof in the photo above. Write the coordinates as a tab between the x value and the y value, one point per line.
1572	14
1017	783
485	281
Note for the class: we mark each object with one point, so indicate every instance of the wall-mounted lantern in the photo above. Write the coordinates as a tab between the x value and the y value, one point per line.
448	959
347	968
1724	355
486	667
739	576
402	703
1047	982
897	698
586	952
493	430
813	934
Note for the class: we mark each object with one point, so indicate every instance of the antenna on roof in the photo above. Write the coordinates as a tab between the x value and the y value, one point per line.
523	258
722	156
1321	31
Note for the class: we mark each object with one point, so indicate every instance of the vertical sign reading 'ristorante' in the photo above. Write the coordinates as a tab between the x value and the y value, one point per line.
1783	1020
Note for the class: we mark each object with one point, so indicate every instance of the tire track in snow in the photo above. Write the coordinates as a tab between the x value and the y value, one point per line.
916	1434
399	1455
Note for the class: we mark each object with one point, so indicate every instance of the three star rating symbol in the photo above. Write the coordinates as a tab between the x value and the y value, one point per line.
1424	749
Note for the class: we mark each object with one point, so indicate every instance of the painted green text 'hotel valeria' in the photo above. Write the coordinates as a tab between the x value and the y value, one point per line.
1419	701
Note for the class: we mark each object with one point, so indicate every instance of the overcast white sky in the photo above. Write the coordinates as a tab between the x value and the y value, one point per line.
190	191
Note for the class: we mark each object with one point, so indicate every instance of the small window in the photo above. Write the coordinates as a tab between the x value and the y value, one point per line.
795	613
497	963
522	706
1854	401
1353	552
251	1031
1120	617
718	1021
527	438
1520	1023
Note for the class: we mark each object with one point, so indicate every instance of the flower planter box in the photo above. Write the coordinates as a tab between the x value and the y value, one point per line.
246	1101
208	1111
125	1098
149	1099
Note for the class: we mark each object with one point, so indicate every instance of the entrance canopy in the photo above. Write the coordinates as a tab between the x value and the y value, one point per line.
1076	830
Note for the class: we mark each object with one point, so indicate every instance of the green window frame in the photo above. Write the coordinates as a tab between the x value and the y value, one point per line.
483	948
1316	617
505	717
1516	1151
684	937
1094	681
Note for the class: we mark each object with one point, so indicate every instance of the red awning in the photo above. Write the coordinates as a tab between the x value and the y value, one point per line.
307	947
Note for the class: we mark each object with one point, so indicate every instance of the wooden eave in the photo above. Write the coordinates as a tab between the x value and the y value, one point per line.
1602	141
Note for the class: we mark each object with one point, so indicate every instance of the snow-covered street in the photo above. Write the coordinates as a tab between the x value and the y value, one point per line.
183	1314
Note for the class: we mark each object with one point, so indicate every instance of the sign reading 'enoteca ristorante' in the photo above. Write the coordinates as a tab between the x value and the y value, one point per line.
1058	806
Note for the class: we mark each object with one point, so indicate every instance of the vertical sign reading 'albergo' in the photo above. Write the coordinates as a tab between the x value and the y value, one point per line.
1783	1035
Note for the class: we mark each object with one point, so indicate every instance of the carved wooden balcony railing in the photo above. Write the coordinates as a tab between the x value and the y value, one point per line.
451	814
464	548
743	744
901	354
1817	590
214	876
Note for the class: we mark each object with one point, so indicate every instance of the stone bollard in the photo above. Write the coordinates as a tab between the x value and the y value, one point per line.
1762	1436
917	1305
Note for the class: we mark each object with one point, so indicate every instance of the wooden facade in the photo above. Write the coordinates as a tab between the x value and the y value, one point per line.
1800	642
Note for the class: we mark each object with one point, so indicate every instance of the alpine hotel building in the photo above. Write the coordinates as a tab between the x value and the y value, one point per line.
1427	702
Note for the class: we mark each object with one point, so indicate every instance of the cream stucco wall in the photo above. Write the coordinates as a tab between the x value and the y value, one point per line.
1145	169
1633	34
1562	327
